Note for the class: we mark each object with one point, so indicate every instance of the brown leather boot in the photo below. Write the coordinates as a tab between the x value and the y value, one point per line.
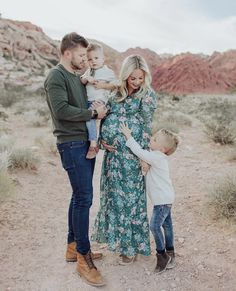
71	253
88	271
162	261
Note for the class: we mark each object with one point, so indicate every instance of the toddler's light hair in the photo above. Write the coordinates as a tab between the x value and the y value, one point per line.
94	47
171	140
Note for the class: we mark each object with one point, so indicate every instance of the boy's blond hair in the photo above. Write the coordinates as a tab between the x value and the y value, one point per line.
94	47
171	140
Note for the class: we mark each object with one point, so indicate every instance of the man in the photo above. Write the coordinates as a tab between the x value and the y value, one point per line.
67	101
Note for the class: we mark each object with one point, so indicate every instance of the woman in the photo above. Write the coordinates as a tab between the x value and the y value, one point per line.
122	220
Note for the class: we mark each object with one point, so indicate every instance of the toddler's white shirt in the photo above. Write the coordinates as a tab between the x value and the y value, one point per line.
103	74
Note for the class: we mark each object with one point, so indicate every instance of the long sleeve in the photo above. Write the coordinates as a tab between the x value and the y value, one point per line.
139	152
58	100
147	108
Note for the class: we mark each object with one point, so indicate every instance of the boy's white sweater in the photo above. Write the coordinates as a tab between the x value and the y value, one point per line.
158	183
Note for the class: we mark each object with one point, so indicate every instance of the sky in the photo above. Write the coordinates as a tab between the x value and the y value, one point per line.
164	26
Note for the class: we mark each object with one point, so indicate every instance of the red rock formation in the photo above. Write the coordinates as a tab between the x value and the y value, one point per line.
188	73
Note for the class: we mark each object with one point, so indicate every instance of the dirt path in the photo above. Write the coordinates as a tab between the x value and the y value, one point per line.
34	223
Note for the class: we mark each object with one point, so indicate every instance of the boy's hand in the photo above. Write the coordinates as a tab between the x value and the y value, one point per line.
144	167
125	130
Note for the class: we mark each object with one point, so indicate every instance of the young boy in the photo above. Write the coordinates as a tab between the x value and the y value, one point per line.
160	191
99	80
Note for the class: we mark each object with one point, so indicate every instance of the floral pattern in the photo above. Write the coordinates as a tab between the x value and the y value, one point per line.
122	220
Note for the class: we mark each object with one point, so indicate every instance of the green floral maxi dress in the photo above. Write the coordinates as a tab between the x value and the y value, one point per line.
122	220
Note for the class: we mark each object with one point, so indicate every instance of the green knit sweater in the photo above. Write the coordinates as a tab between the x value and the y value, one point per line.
67	101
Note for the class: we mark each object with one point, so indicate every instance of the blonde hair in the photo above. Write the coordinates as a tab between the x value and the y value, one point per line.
171	140
130	64
94	47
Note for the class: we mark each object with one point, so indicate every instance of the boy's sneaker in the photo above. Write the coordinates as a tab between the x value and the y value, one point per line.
172	263
162	262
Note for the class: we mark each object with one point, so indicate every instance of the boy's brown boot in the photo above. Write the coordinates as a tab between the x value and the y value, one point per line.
162	262
71	253
88	271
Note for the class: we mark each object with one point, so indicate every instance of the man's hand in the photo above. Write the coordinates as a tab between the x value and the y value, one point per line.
125	130
91	80
102	111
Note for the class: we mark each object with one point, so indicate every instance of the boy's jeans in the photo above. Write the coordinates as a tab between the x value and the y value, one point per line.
80	173
161	218
91	126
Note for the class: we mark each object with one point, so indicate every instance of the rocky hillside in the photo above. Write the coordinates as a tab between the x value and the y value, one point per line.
26	54
188	73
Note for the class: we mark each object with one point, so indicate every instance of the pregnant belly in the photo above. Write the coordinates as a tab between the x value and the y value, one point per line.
110	130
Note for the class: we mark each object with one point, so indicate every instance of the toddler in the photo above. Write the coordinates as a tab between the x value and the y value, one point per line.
99	80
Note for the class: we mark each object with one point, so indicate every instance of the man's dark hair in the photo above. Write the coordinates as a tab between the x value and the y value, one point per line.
72	40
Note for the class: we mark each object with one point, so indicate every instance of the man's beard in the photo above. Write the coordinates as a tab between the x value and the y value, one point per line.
74	66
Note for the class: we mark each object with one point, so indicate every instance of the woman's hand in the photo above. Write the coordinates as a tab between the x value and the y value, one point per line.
109	148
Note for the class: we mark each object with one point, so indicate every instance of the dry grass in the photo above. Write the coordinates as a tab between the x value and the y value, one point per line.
219	118
6	142
223	198
23	159
220	131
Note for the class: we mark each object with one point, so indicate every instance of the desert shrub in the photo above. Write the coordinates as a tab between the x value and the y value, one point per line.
223	197
23	159
220	130
218	116
6	143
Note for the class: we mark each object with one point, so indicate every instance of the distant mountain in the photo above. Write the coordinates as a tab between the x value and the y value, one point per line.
27	53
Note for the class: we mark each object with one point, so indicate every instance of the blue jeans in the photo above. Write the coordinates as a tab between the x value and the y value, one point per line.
161	219
91	126
80	172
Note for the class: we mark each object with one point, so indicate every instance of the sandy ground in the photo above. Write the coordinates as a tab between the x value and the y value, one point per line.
33	226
